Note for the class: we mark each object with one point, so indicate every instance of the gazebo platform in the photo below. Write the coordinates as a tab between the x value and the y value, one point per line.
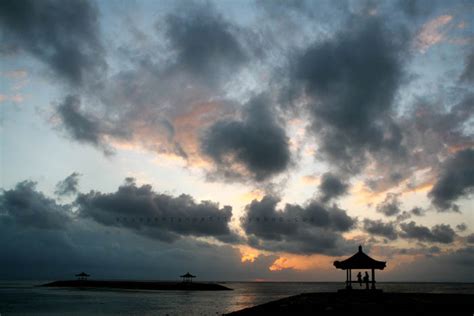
138	285
362	291
360	261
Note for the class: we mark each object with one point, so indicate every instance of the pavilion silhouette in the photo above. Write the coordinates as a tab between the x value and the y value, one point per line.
359	261
187	278
82	276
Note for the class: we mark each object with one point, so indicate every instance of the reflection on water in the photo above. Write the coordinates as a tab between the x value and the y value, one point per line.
25	299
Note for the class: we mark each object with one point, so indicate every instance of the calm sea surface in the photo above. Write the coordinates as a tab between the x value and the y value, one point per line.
23	298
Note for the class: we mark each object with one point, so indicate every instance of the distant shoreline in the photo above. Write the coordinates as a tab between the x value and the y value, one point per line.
366	303
138	285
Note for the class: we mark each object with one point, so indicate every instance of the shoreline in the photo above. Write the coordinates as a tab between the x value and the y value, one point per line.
366	303
138	285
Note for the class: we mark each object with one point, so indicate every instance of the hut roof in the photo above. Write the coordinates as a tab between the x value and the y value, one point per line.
82	274
187	275
360	261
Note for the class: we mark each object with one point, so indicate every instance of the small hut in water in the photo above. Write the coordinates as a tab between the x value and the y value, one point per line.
188	277
82	276
359	261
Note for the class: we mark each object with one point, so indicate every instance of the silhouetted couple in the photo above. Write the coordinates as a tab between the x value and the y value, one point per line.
365	279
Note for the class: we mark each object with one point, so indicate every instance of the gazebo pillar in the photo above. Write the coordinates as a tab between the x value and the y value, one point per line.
348	279
373	279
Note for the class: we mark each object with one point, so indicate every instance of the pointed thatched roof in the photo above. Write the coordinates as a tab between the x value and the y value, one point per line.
82	274
360	261
187	275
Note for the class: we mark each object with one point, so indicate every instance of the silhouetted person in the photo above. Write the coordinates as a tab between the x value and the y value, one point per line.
359	278
366	280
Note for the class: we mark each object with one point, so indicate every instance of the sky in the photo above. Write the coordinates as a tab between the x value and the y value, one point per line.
236	140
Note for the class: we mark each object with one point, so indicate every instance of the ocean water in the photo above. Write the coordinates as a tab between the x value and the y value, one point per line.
24	298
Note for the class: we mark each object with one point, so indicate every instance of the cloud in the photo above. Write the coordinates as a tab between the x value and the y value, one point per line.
68	186
417	211
156	215
416	8
470	238
312	229
429	264
379	228
17	98
432	33
31	208
80	126
403	216
351	80
390	206
205	44
331	187
62	34
461	227
439	233
257	142
455	181
468	72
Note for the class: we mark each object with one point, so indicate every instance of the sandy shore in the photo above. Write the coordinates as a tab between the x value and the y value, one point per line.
139	285
366	303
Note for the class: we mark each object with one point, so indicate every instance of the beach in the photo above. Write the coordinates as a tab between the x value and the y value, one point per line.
366	303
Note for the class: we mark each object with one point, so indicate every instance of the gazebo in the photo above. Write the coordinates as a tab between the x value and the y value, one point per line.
359	261
82	276
188	277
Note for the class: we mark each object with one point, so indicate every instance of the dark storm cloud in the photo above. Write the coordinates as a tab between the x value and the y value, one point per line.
352	80
390	206
422	250
379	228
314	228
455	181
80	126
439	233
464	256
461	227
31	208
468	73
205	43
68	186
331	187
417	8
156	215
443	267
403	216
62	34
417	211
257	141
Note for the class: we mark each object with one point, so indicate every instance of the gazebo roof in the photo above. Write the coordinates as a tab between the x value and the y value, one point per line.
82	274
187	275
360	261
